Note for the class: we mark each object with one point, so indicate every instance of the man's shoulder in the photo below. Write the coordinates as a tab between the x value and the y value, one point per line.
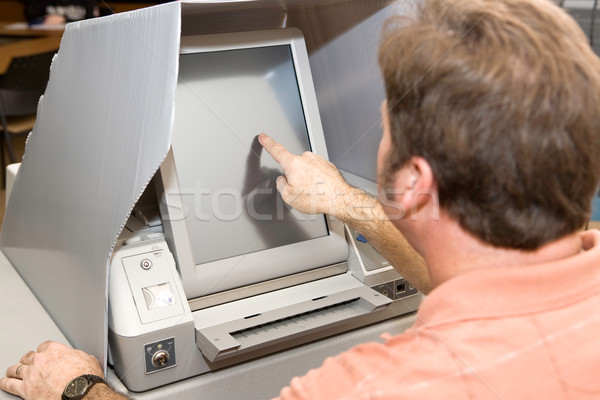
402	364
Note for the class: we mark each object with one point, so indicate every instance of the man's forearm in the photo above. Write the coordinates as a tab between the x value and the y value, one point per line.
365	215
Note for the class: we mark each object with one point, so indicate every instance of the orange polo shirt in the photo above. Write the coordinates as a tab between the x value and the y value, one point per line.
530	332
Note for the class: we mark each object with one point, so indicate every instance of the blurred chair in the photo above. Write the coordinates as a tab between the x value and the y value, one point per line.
20	89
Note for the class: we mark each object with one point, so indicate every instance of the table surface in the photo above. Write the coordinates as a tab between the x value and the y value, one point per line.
16	43
25	324
19	28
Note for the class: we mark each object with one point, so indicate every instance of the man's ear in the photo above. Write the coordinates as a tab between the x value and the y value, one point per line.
414	185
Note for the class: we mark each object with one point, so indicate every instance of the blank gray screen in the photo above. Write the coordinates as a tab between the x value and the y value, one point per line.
224	100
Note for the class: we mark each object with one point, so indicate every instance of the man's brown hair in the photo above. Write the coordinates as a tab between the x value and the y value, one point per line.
502	98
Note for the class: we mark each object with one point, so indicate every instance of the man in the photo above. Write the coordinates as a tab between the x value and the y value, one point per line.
489	159
59	12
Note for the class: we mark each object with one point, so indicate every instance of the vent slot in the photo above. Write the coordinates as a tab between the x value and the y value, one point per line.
346	307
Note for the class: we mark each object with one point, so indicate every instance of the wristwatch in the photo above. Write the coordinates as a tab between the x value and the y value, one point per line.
78	387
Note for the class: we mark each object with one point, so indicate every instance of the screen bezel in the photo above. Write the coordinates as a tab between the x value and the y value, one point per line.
264	265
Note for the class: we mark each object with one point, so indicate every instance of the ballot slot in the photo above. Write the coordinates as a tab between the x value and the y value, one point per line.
256	289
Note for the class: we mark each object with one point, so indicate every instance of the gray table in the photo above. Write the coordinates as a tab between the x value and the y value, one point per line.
25	324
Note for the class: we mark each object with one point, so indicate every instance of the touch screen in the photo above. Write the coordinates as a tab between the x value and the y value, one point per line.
224	100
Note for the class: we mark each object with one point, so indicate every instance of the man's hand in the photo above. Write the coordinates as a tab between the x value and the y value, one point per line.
311	184
44	374
53	19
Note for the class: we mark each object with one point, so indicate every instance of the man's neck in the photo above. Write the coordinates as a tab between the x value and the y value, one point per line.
450	251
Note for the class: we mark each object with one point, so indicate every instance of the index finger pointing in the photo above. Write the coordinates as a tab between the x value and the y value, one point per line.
276	150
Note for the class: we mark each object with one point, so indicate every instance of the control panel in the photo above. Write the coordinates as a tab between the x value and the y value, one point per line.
160	355
396	289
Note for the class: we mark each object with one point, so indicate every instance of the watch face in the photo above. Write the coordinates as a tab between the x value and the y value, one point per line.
76	387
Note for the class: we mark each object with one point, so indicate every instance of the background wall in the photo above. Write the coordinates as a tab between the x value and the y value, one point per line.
589	20
586	14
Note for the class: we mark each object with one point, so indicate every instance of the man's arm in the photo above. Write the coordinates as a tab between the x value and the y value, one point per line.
43	375
364	214
313	185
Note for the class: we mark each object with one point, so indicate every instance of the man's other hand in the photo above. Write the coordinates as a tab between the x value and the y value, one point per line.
43	375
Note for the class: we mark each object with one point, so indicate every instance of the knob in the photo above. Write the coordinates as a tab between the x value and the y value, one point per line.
160	359
146	264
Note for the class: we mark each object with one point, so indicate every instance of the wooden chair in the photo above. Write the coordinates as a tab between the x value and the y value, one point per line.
20	89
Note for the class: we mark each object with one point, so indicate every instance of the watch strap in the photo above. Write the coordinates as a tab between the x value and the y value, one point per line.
93	378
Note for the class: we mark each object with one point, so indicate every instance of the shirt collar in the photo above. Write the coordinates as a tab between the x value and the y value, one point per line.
517	290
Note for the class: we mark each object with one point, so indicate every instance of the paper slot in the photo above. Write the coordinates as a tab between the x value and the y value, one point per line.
158	296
